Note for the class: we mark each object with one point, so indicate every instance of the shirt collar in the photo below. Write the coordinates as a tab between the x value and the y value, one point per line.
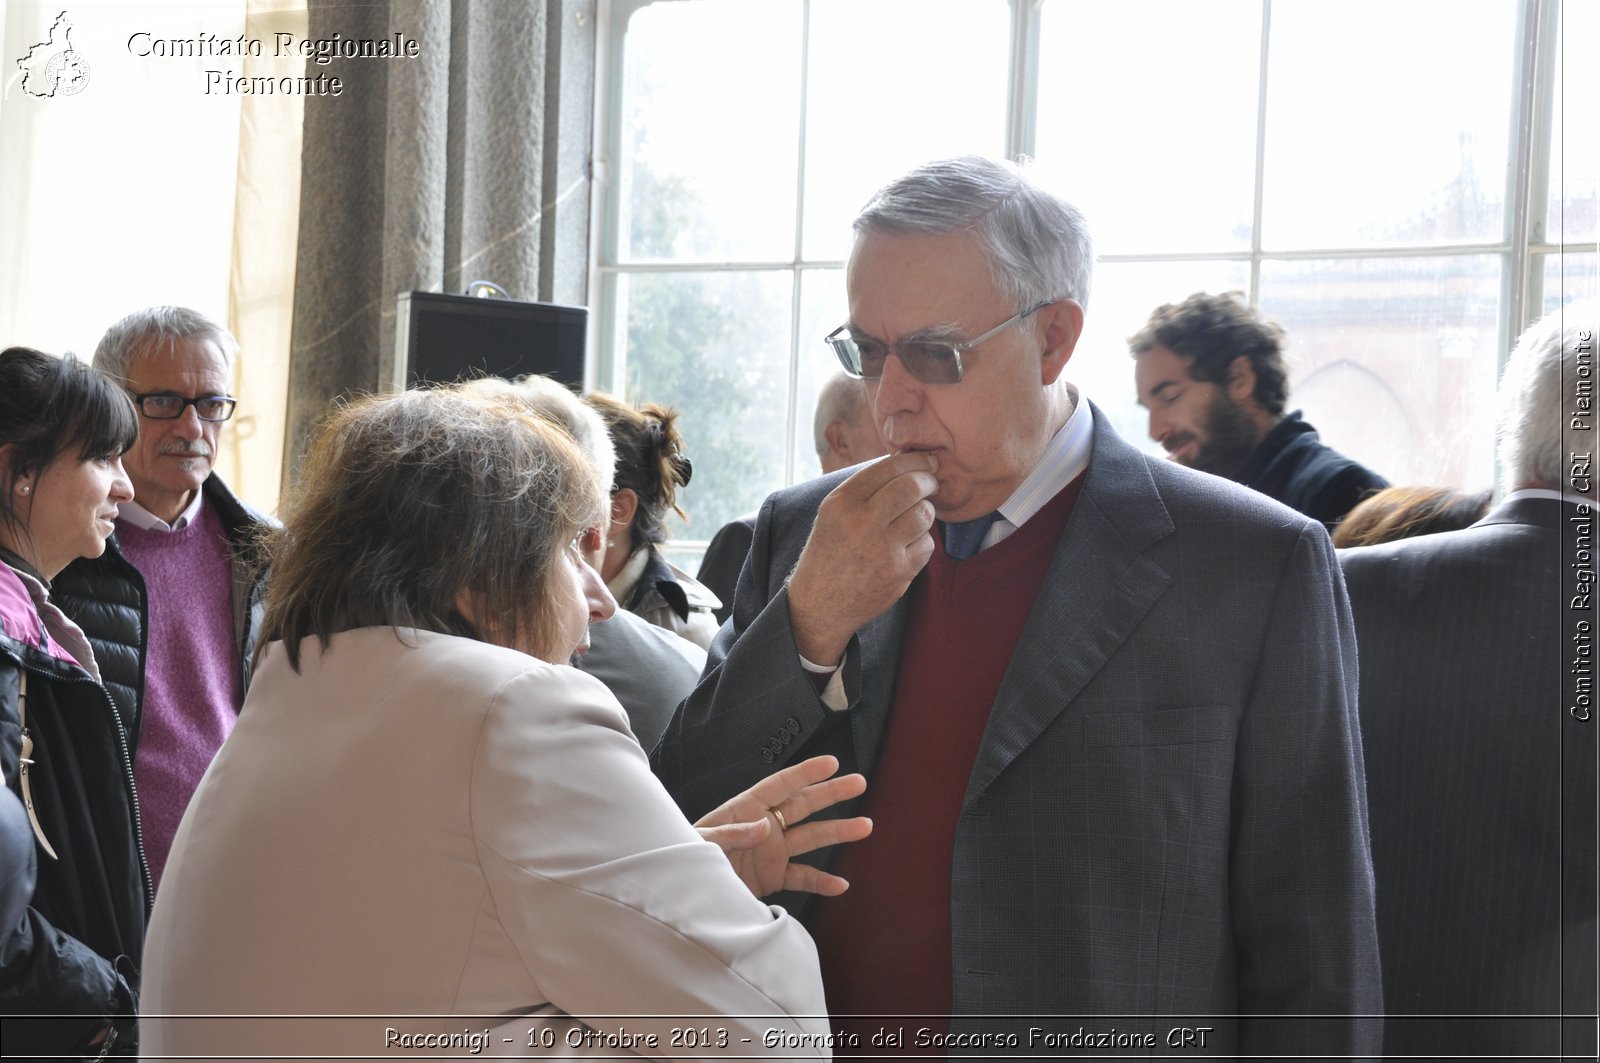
1545	492
1064	459
139	517
621	585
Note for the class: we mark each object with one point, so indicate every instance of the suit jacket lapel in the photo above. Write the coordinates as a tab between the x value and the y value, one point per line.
1098	588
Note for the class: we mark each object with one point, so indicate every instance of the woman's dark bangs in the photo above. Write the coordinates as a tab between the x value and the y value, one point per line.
106	424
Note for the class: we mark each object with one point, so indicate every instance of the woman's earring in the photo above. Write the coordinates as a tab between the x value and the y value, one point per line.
24	488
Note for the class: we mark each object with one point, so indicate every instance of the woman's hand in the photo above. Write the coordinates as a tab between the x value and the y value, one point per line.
762	830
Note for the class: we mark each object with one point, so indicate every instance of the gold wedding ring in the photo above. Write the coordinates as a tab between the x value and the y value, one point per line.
783	824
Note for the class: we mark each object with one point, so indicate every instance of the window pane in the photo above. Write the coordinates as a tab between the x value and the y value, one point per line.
823	308
1148	111
892	84
716	346
1575	153
1387	122
1570	277
708	150
1394	360
1125	294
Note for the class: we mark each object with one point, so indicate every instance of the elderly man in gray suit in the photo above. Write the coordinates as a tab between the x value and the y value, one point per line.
1105	704
1477	666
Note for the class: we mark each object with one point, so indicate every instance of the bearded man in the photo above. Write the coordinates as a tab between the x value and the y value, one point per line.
1211	372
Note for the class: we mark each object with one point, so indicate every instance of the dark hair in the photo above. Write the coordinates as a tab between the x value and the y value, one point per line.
48	407
1402	512
1211	331
650	461
406	500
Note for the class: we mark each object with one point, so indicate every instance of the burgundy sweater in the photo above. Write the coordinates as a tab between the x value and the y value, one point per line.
885	944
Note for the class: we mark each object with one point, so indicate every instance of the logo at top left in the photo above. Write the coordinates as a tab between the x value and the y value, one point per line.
53	67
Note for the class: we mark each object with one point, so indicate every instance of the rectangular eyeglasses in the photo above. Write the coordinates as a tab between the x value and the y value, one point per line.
165	406
930	361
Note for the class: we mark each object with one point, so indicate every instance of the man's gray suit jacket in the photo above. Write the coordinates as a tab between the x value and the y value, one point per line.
1482	781
1166	815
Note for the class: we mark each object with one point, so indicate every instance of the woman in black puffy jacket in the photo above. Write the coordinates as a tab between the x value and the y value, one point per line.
68	965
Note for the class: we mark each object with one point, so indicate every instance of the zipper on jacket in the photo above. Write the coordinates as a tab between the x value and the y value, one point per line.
127	773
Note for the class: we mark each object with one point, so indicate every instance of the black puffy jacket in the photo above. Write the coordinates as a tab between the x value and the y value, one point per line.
75	953
105	596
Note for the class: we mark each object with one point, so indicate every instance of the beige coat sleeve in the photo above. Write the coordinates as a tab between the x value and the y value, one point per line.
620	912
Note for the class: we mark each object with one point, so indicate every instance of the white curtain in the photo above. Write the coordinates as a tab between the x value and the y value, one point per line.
142	188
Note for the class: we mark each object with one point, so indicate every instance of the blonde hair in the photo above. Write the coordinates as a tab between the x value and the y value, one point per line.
554	402
1403	512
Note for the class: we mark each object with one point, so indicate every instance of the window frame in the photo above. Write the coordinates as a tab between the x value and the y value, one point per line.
1523	249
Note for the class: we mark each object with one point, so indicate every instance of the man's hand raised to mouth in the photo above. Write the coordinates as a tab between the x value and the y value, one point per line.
870	541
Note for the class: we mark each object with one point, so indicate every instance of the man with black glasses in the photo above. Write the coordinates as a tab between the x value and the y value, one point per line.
173	604
1105	705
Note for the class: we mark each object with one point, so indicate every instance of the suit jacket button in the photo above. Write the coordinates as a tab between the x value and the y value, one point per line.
766	755
792	725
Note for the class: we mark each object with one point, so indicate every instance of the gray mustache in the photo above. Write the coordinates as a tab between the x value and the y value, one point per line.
187	449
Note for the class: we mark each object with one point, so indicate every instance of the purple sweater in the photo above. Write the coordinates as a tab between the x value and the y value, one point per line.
192	686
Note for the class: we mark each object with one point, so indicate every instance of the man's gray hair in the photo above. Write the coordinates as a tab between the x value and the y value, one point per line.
554	402
158	327
1038	244
1552	365
841	398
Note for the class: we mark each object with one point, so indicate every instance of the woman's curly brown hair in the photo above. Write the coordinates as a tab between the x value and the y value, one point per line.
650	461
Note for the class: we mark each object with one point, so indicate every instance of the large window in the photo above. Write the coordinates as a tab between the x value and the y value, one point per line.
1356	167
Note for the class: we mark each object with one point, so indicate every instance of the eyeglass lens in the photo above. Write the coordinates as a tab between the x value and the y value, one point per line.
170	407
931	363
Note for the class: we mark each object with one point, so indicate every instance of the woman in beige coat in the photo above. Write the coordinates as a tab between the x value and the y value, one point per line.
428	834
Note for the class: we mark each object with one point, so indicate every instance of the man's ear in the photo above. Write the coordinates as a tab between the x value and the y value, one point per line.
1063	324
838	437
1241	380
624	504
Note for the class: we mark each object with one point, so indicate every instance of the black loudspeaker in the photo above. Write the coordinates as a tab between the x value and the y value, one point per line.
443	338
